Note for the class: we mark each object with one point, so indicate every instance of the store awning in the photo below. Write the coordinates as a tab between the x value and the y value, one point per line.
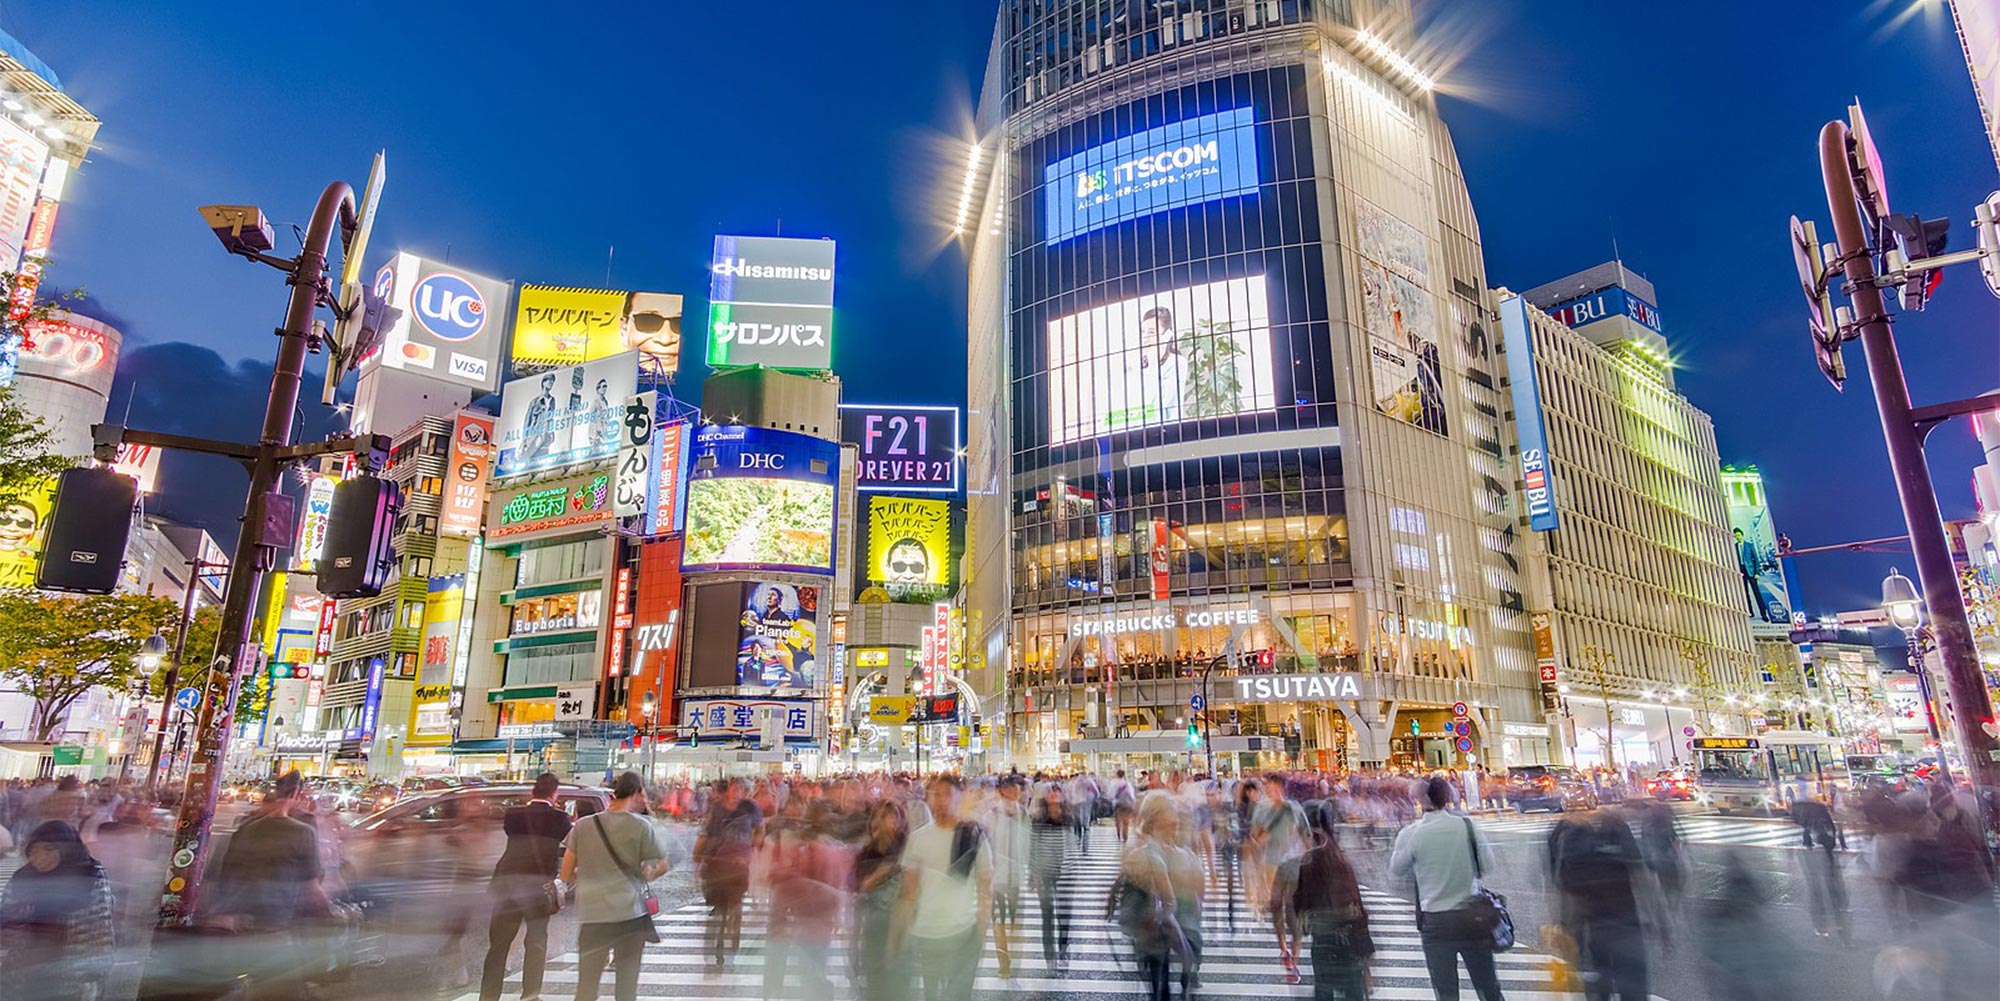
497	745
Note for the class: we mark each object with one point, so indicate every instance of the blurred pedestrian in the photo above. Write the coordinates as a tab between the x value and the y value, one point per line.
810	874
1279	830
524	890
1445	854
1143	906
266	887
722	862
1746	955
1596	862
878	887
1826	888
55	919
1006	824
612	858
947	896
1328	900
1048	861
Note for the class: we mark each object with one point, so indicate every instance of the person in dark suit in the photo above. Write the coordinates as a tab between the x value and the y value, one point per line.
521	890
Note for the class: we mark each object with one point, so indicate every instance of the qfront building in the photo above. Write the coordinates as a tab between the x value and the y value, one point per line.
1236	403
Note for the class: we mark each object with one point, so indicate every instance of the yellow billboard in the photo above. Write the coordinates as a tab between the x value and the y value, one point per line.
24	525
556	326
890	710
909	546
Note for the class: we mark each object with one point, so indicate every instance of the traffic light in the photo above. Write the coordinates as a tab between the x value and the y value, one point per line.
1194	735
1919	238
360	531
87	528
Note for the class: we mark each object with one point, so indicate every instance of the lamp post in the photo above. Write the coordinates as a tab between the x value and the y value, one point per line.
1906	612
1208	707
649	706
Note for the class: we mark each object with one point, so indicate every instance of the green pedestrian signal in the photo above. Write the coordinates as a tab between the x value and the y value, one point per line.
1194	735
1415	728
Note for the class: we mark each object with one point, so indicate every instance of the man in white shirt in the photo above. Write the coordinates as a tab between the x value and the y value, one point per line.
947	896
1006	819
1444	853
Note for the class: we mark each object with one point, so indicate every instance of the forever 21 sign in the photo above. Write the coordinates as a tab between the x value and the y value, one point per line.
905	449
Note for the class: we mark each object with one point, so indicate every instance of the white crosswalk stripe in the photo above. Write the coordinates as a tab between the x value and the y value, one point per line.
1746	832
1237	965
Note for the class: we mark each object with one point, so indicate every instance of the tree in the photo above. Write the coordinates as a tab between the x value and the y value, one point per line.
56	649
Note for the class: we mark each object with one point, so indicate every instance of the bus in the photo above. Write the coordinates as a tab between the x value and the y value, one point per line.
1768	772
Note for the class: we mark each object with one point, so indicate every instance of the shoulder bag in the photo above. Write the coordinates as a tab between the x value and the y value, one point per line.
1488	909
646	895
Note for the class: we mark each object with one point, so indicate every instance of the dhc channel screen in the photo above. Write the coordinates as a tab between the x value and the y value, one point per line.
1181	163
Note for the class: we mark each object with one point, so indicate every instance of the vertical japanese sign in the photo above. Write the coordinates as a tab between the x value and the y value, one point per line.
621	620
930	648
670	472
1538	485
631	486
466	469
312	525
1159	560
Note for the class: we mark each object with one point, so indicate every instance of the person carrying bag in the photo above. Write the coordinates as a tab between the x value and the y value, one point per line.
1456	917
612	867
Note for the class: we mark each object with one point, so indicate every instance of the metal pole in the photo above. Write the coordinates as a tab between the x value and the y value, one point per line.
1969	704
235	649
1208	707
174	670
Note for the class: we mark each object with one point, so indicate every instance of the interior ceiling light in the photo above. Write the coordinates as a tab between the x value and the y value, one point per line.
1381	50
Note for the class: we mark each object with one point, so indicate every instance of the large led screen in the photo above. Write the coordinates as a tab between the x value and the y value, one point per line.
779	640
573	414
1181	355
760	498
1181	163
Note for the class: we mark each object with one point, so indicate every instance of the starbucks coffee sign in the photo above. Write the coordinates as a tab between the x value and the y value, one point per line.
1198	617
1316	687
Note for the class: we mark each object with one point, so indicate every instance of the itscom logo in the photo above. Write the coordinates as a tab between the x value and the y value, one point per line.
1089	182
449	307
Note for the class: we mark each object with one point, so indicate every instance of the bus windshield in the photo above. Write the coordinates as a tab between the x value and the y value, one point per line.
1739	764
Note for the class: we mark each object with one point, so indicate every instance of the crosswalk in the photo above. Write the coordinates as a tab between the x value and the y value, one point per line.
1237	965
1744	832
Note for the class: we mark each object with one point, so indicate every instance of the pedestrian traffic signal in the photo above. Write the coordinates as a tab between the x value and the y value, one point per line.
1194	735
88	524
358	553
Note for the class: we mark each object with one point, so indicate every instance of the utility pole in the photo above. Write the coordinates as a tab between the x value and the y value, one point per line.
195	566
267	526
1908	251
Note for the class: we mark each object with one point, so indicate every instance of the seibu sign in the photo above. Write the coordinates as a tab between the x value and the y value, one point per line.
1297	687
1172	618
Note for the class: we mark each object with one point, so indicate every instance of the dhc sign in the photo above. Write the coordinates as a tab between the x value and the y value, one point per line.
1193	160
1538	484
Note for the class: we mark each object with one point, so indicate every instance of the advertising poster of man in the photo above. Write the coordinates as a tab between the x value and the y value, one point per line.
779	641
572	414
557	326
1185	354
1756	544
1396	310
23	528
909	547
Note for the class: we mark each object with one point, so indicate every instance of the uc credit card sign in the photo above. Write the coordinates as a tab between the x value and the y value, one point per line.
1181	163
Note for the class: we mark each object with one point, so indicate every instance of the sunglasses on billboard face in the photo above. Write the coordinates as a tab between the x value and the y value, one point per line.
649	322
907	566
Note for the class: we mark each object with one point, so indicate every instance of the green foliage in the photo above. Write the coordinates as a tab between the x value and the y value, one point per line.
55	649
26	461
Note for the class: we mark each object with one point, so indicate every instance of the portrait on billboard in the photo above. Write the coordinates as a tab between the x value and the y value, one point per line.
779	640
1401	320
23	530
572	414
909	547
556	326
1185	354
1759	572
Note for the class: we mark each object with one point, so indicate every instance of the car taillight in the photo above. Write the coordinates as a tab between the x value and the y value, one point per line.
1548	783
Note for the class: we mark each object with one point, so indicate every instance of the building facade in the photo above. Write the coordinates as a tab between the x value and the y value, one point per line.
1234	401
1635	569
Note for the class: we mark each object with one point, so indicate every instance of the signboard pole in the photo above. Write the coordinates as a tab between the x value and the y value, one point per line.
174	668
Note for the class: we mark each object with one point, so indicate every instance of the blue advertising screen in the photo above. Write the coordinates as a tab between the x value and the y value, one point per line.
1538	484
1182	163
759	498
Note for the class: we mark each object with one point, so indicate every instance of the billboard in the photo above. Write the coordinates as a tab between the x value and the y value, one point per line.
1538	490
635	474
318	508
570	503
24	526
1187	162
453	321
770	303
741	717
760	498
670	442
442	608
1979	35
1905	702
556	326
1760	573
73	349
23	158
1397	312
465	475
904	449
140	462
569	415
1185	354
778	645
909	547
1604	304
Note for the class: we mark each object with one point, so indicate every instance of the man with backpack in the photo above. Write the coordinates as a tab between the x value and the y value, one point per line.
1444	853
1596	862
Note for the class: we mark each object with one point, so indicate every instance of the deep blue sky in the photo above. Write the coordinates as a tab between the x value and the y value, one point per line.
524	144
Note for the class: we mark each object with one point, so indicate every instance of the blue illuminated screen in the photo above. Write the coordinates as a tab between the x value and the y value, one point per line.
1182	163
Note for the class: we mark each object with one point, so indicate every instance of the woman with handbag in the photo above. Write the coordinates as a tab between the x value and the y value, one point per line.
612	858
1328	901
524	890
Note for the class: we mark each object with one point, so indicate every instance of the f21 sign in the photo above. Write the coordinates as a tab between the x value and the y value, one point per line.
904	450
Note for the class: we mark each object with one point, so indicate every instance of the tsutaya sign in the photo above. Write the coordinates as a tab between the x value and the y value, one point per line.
1164	619
1297	687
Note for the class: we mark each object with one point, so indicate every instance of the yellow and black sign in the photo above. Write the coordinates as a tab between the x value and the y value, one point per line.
890	710
1725	743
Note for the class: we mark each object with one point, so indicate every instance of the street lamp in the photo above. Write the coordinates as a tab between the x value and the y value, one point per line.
1906	612
153	651
649	705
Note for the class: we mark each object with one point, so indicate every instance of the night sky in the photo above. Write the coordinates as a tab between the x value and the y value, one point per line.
526	146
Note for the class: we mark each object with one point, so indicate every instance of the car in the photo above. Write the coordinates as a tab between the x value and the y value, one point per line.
1576	794
421	849
1671	784
1542	787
